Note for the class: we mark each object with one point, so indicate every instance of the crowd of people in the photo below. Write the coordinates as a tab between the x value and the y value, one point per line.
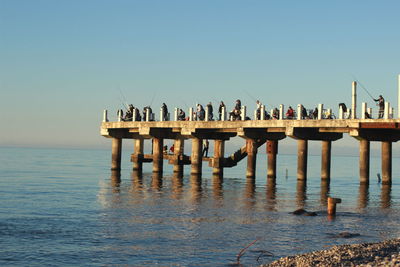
200	113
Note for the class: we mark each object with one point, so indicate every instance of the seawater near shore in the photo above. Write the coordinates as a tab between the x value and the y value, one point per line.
384	253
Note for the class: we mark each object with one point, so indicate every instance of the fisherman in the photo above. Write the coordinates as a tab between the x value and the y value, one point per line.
137	115
381	104
172	149
235	113
221	105
209	107
303	112
315	114
200	112
275	114
205	147
164	109
290	113
129	113
181	115
258	110
165	149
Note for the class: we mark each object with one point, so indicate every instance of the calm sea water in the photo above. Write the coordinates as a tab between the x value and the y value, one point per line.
64	207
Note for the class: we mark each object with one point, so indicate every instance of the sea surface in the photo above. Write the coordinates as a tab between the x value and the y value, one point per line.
64	207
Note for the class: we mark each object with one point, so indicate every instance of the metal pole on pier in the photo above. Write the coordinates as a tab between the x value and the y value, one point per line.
354	100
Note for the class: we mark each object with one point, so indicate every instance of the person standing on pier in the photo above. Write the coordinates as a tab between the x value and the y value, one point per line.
221	105
209	107
164	112
205	147
258	109
381	104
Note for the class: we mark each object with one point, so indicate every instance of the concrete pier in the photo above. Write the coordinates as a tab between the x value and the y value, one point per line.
302	153
272	151
196	158
387	163
326	160
255	133
158	144
364	161
116	149
251	149
219	150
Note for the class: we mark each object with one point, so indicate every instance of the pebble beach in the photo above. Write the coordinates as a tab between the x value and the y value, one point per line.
384	253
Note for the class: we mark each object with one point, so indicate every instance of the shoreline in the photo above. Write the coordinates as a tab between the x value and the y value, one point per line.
385	253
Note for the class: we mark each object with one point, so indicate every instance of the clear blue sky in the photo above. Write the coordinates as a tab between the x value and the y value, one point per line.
62	62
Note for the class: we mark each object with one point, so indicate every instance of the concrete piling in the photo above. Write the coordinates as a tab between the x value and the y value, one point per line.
302	151
179	145
223	115
364	161
219	150
262	112
197	157
387	163
116	149
332	205
320	111
299	111
158	144
363	110
137	158
281	111
272	151
251	149
105	117
326	160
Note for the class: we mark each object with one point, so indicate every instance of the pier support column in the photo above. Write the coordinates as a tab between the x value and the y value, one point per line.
219	150
178	152
272	150
387	162
364	161
326	160
197	157
251	149
302	151
158	144
137	157
116	148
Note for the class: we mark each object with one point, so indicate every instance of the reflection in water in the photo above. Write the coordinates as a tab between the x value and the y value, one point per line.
250	193
137	180
386	196
324	191
177	185
115	181
301	196
217	182
156	181
271	194
363	196
195	183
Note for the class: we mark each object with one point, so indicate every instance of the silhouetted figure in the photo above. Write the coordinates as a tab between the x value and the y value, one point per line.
221	105
381	104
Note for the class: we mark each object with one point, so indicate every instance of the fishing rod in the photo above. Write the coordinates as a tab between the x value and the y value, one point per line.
152	99
362	86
